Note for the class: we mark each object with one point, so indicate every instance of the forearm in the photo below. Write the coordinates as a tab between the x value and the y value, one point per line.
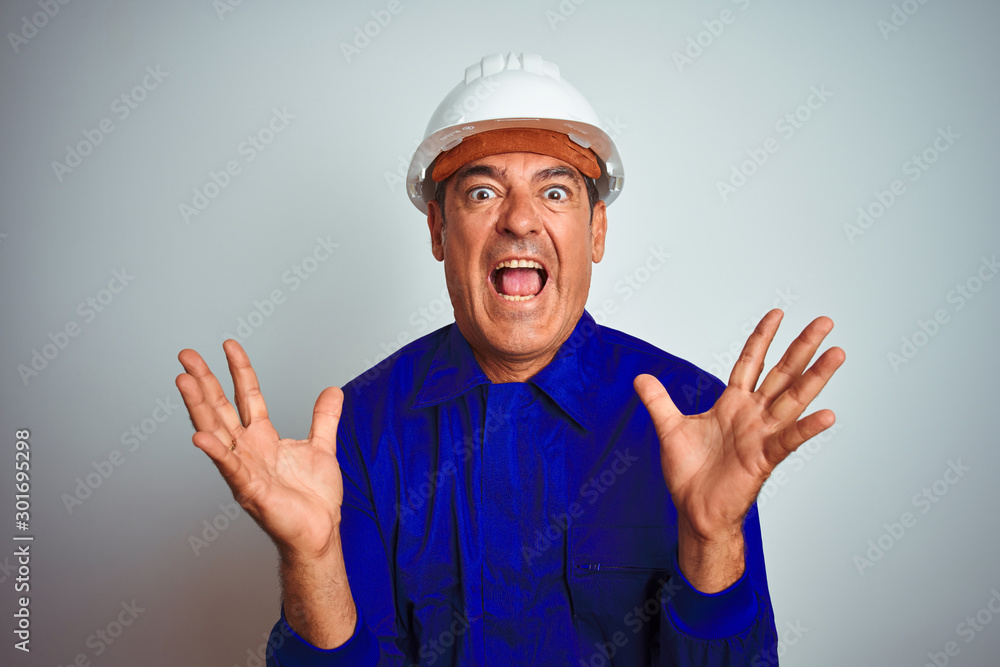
728	626
318	603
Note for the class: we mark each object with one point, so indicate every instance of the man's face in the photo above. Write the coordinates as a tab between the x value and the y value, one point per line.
530	208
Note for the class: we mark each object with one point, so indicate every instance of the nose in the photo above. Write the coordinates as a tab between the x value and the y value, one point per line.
519	216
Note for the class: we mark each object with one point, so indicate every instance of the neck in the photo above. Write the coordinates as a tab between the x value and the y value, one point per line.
504	370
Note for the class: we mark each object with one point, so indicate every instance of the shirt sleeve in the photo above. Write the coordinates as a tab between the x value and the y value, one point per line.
731	627
368	571
285	648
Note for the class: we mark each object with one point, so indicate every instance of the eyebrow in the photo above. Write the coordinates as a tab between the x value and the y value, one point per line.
556	172
479	170
490	171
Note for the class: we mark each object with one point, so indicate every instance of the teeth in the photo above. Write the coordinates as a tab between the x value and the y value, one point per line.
519	264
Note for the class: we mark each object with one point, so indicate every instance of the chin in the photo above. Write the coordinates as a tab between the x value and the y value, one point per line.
526	332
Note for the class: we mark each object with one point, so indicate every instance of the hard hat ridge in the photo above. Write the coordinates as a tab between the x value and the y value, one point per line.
496	63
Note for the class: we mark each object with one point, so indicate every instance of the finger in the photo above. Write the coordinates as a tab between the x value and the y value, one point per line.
203	415
796	357
230	465
794	400
249	400
790	438
750	365
661	407
210	387
326	417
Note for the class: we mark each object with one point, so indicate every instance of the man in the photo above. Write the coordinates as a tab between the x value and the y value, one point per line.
492	496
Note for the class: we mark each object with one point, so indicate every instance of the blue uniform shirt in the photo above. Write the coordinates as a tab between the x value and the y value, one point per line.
525	523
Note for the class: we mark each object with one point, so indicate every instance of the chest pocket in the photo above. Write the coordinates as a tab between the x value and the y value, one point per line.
616	574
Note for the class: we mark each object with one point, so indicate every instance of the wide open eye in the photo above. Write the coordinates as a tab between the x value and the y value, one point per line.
481	194
556	193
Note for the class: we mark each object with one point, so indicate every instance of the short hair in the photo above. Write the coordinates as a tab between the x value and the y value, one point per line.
592	194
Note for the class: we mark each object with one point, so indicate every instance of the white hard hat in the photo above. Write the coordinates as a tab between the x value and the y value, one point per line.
513	92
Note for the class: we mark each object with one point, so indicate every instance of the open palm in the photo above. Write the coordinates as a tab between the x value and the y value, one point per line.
292	488
715	463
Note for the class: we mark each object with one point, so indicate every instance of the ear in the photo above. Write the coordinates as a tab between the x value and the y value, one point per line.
598	230
435	222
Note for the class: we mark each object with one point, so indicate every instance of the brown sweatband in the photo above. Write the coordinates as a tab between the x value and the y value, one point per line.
516	140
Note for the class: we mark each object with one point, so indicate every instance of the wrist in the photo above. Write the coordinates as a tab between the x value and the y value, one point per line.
314	558
711	561
709	532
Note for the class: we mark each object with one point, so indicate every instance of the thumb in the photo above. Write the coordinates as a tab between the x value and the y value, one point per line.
326	417
658	402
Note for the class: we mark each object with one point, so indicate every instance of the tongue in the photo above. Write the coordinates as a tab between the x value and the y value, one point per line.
520	282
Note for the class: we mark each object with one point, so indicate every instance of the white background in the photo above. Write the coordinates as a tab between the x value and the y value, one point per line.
333	172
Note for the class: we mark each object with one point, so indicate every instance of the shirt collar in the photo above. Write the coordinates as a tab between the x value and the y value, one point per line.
568	379
453	371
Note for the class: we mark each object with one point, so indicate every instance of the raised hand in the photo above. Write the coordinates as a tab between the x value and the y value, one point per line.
292	488
715	463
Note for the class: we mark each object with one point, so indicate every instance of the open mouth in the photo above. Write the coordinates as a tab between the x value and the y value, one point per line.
518	279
